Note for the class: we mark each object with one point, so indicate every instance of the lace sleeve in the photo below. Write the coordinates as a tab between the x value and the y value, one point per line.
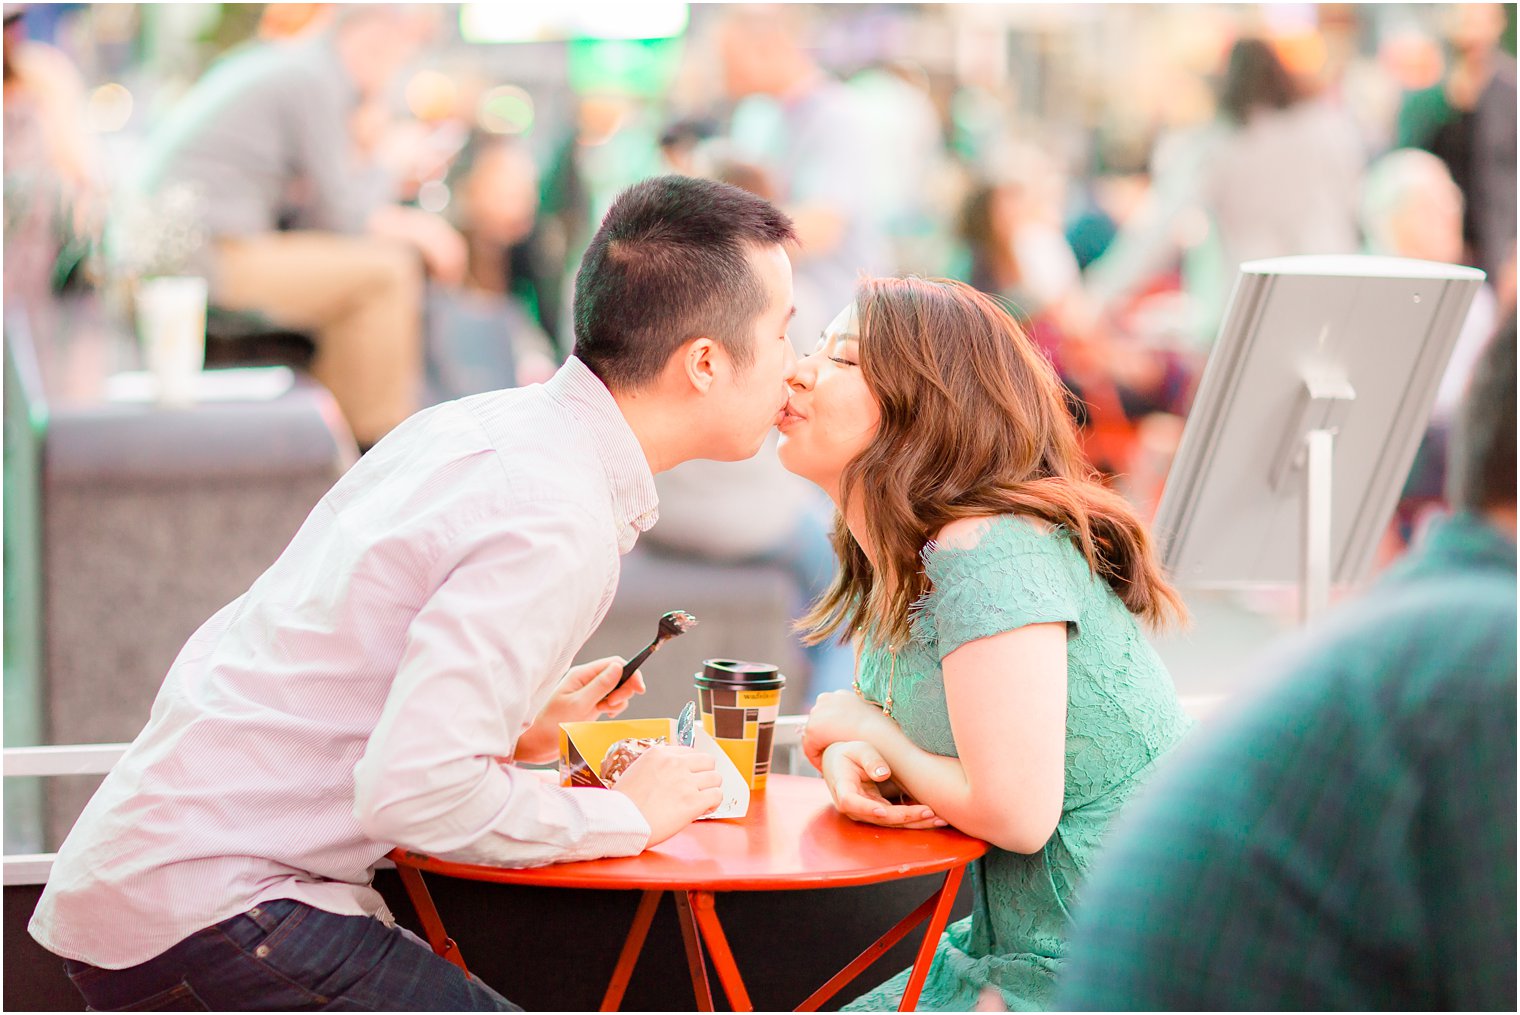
1013	576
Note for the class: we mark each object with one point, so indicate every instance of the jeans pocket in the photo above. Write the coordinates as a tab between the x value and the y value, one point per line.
262	928
176	998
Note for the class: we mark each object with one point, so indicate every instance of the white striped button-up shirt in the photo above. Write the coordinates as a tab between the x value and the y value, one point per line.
355	697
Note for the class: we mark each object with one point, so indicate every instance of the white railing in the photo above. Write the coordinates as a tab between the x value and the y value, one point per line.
71	759
98	759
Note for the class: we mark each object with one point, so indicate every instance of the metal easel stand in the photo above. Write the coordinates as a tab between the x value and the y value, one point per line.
1307	456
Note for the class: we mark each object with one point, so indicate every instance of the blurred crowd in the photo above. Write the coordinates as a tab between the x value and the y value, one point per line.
409	187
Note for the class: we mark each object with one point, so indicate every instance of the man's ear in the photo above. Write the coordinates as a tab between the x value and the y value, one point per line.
700	362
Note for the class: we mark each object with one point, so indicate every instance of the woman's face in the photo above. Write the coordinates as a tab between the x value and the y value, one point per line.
831	415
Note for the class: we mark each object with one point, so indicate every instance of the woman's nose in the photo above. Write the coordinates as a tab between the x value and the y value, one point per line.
801	374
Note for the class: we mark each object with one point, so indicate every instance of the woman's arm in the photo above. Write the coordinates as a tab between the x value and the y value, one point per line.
1006	696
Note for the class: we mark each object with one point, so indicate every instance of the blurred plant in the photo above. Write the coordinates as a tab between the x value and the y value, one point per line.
157	235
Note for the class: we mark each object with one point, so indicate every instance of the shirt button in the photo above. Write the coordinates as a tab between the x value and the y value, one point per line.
262	951
255	911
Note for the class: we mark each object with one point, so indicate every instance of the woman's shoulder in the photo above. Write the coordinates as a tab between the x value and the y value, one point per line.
979	543
988	531
992	573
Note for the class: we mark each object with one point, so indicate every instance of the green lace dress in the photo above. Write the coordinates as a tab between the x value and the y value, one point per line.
1122	716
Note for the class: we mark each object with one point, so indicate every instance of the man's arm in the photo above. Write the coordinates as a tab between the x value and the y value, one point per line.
482	657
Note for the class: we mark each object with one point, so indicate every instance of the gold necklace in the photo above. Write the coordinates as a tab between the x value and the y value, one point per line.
886	706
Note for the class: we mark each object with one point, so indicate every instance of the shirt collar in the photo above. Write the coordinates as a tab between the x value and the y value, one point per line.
1464	542
635	504
1467	539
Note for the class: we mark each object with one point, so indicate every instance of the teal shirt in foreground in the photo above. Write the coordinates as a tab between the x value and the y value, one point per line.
1122	716
1347	841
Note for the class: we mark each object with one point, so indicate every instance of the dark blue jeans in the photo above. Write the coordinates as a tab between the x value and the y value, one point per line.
287	956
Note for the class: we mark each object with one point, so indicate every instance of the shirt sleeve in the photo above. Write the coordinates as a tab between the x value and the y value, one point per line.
1013	577
482	656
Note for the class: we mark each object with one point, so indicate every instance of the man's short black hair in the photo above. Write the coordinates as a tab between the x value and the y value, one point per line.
1481	470
668	265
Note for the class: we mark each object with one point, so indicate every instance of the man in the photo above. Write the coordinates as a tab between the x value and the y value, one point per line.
1347	841
808	132
374	686
1411	207
266	141
1468	119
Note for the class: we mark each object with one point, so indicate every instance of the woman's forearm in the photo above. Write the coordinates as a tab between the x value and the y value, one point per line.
941	783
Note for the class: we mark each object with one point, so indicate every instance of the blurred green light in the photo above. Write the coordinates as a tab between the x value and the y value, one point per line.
506	110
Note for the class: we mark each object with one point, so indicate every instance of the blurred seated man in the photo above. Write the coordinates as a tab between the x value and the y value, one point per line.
1411	207
265	140
1347	841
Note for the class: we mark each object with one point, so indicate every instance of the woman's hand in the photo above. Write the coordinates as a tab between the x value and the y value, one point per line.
859	781
585	694
836	716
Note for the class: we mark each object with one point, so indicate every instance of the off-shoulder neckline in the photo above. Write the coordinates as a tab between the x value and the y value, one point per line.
1028	525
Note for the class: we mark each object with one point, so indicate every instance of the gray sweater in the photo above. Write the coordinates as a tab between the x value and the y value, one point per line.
264	137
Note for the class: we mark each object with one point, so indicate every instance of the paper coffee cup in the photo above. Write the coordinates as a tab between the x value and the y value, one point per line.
740	702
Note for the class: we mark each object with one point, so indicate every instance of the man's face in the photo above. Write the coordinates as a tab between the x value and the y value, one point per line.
750	399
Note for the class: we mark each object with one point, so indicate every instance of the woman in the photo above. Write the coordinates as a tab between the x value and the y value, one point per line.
1275	173
1002	680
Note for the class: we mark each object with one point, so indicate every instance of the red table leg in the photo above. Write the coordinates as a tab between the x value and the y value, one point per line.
694	958
723	959
631	949
432	925
871	954
931	938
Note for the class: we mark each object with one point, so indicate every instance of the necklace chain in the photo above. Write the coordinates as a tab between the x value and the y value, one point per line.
885	706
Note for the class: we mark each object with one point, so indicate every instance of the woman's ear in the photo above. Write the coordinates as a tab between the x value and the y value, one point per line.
700	361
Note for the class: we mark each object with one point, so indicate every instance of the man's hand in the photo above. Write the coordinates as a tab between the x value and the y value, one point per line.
586	693
443	250
671	787
838	715
859	779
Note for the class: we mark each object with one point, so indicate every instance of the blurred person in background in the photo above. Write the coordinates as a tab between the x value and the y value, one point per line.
808	132
1015	246
910	174
267	139
995	594
1275	174
1468	119
1346	840
1411	207
481	336
1017	251
51	195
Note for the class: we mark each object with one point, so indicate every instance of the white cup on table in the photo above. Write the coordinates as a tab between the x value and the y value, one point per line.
171	323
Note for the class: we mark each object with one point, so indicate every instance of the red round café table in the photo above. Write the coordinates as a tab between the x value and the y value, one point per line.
792	838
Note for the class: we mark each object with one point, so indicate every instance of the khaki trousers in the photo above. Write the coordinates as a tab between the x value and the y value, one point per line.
363	298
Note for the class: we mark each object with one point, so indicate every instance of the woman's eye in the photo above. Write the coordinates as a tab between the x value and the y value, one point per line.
844	362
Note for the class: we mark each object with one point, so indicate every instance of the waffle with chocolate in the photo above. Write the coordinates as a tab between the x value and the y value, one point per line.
624	753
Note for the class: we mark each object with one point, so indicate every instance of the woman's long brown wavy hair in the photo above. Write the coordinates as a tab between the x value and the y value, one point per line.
973	422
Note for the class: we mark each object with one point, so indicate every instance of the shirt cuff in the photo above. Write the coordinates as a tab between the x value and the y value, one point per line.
614	825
